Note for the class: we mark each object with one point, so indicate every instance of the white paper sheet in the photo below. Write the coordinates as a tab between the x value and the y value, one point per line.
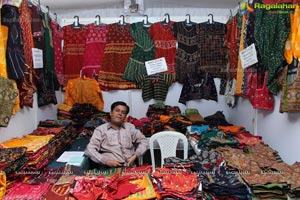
65	157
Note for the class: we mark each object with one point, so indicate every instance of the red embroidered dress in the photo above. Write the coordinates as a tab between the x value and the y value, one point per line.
119	45
74	44
94	50
165	43
58	35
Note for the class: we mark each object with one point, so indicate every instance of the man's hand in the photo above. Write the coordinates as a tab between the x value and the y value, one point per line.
131	160
114	163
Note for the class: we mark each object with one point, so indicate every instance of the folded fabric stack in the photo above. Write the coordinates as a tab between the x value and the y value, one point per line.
12	159
211	139
63	136
27	191
156	110
36	149
194	116
143	124
261	168
176	183
95	120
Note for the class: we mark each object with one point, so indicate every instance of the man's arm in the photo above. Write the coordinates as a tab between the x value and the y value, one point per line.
141	141
93	148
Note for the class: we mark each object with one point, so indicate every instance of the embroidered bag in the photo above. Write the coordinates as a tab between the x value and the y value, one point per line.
253	81
263	98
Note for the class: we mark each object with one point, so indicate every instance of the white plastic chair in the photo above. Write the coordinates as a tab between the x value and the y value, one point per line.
167	141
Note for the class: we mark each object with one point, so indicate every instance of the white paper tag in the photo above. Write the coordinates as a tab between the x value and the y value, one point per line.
156	66
37	55
248	56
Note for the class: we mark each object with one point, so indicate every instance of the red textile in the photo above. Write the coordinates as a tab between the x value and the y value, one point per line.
125	188
57	37
21	191
74	44
94	50
165	43
232	44
119	45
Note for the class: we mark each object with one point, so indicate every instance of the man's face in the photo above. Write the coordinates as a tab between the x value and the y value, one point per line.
118	115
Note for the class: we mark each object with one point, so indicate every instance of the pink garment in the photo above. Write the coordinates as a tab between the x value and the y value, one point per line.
94	50
26	191
58	35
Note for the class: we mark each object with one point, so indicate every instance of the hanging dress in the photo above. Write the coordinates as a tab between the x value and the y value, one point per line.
212	49
26	86
48	81
119	45
58	34
187	55
156	86
74	44
271	31
94	50
143	50
3	73
232	44
14	54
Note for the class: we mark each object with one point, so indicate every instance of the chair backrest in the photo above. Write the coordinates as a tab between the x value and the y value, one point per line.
167	141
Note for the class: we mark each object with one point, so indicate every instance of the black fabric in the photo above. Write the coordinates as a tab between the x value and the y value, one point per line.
198	86
46	88
15	58
217	119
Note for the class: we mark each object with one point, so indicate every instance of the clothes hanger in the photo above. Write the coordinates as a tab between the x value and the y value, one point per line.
98	21
188	21
231	16
122	22
212	19
146	23
56	22
166	20
76	24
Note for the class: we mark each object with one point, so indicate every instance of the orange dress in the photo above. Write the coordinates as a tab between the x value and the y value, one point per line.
83	91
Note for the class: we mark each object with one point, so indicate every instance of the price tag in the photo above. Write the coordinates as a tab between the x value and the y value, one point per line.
156	66
248	56
37	55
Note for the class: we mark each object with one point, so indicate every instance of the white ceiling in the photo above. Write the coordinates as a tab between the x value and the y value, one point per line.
94	4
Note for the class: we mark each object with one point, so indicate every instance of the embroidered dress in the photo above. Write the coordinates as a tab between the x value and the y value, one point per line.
58	34
94	50
26	86
187	55
143	50
83	91
119	45
271	31
165	44
212	49
156	86
232	44
48	81
198	86
74	44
